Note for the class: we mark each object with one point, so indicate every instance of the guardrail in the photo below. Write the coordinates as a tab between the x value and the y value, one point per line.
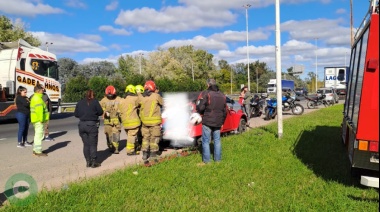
62	108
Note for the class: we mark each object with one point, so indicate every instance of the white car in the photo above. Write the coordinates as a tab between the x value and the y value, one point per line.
330	93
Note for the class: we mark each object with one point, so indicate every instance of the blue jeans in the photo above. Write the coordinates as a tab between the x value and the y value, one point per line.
23	126
206	138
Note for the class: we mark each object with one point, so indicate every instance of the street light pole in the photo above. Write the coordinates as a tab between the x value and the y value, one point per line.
316	64
140	54
231	79
246	6
47	46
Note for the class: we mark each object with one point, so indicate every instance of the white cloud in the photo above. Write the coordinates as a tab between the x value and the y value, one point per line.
174	19
232	36
112	6
199	42
75	4
64	44
27	8
114	31
94	38
341	11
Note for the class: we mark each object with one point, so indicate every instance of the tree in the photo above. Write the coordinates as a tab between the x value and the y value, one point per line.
10	32
76	87
66	67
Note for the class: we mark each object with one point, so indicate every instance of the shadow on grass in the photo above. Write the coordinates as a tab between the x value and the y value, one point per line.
363	198
322	151
57	146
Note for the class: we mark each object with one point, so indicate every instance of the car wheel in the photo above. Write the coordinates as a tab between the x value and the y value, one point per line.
242	126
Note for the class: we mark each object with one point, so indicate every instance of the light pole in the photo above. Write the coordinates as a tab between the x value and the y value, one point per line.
246	6
140	54
231	79
316	64
47	45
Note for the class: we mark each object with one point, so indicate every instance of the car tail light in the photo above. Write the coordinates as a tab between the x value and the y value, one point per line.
374	146
363	145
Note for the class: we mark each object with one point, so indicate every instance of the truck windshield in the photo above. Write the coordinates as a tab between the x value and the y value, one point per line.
45	68
271	85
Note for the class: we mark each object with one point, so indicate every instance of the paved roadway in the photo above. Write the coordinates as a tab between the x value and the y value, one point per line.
65	162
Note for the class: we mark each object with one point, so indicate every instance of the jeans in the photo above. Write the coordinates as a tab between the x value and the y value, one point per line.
206	138
23	126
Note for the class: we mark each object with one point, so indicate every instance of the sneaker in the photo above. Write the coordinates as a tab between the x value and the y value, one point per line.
201	164
20	145
42	154
27	144
48	139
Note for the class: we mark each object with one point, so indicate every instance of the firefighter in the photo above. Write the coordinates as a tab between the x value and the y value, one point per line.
110	105
150	114
139	90
130	118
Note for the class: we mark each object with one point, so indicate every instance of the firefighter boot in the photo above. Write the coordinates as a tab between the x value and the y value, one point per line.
109	144
116	147
153	157
145	157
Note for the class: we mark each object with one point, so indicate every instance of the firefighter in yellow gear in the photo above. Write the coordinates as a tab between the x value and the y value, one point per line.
131	121
110	105
150	114
139	91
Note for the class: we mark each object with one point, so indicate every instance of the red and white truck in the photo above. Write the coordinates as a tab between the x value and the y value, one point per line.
24	65
360	125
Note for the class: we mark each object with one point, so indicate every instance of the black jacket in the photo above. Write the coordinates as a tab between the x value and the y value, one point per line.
23	105
88	111
211	104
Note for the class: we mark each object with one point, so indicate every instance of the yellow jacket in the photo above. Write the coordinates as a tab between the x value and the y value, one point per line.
111	106
150	109
128	112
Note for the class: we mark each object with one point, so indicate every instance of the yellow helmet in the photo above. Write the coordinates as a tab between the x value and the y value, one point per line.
139	89
131	89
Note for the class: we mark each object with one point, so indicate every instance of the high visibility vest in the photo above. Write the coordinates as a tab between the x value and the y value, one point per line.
38	109
128	112
150	109
111	106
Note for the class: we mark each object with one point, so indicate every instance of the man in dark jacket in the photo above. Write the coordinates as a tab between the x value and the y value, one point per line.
211	104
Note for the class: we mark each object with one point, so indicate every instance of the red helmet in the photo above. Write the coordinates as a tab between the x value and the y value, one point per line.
110	91
150	85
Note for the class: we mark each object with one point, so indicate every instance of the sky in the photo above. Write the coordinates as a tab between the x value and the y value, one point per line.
314	33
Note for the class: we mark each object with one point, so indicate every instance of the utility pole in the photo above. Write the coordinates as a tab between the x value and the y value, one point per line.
278	71
246	6
47	45
316	64
351	24
140	54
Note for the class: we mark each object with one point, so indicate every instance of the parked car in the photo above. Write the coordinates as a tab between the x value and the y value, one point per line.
330	93
301	91
236	122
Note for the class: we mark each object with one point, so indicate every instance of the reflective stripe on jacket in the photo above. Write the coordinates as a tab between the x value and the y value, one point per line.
38	109
128	112
150	110
111	106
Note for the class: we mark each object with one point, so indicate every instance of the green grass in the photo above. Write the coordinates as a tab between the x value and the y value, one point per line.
306	170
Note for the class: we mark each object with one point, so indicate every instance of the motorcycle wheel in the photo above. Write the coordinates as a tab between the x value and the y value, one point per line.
310	104
297	109
274	114
267	116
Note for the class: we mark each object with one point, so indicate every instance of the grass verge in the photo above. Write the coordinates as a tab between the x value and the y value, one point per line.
306	170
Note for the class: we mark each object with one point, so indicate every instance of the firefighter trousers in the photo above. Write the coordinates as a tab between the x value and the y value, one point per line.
151	138
112	135
131	139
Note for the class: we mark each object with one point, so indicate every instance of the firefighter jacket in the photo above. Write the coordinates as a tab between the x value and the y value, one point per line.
150	108
111	106
38	110
211	104
128	112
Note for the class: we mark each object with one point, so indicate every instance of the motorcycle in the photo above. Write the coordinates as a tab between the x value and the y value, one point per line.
288	103
316	101
257	105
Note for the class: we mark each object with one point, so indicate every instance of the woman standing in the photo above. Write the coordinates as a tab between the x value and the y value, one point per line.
22	116
88	111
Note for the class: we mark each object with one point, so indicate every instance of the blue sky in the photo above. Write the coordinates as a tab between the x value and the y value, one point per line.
89	30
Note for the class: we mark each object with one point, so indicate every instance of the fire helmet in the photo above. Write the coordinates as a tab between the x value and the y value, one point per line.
130	89
110	91
139	89
150	85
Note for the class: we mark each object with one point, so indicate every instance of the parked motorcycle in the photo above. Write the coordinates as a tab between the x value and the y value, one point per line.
316	101
257	105
288	103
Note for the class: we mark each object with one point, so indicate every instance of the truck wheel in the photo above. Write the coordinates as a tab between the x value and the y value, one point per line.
310	105
297	109
242	126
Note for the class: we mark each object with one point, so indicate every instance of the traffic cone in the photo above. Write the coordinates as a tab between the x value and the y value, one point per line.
2	98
